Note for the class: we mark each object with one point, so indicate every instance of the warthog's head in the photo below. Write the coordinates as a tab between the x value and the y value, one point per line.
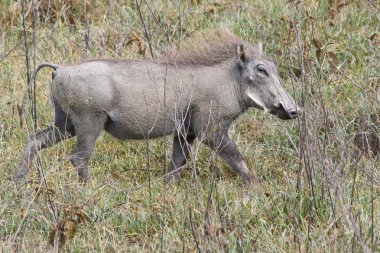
261	85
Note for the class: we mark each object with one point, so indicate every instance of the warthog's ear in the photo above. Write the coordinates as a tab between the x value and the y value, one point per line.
259	48
241	54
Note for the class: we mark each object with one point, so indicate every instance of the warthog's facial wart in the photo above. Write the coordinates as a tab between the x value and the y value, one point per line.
257	100
261	84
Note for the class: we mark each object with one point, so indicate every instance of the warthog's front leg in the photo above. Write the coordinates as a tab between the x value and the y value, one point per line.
226	148
181	150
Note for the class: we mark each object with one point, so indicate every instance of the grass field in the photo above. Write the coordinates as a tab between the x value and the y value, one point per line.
319	175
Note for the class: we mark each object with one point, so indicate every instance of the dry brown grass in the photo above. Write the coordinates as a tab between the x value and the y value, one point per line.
318	193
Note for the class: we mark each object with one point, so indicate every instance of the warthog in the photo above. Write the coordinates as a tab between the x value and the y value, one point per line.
196	93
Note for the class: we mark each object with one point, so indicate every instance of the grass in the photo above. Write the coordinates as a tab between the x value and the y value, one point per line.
316	187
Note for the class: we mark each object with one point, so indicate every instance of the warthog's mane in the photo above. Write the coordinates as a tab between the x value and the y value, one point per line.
207	49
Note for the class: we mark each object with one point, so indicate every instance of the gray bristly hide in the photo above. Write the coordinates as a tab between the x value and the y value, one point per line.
147	99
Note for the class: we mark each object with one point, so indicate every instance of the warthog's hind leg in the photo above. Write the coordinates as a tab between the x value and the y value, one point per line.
45	138
88	128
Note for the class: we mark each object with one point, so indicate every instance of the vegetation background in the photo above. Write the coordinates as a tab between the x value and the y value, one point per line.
320	181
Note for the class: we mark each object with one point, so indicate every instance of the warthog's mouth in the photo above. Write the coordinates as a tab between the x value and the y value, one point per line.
285	114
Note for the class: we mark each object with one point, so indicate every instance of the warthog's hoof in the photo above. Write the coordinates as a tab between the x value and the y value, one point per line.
249	178
172	178
83	178
83	174
21	171
83	181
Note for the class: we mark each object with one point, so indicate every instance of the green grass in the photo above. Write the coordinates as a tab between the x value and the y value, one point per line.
303	202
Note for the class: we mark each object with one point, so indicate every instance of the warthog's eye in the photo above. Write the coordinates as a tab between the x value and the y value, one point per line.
261	70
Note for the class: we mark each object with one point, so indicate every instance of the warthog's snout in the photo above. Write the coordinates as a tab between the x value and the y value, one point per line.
284	112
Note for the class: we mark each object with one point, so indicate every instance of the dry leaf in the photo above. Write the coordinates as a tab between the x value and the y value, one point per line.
375	39
70	229
210	10
57	234
141	48
82	216
317	43
374	36
319	55
285	18
22	213
341	5
332	13
52	233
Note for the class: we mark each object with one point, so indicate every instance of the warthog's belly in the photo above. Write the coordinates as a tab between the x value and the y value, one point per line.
139	128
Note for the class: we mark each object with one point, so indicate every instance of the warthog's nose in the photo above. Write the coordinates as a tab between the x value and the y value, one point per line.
293	113
284	113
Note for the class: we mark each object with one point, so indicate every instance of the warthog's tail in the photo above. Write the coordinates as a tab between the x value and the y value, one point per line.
42	65
21	109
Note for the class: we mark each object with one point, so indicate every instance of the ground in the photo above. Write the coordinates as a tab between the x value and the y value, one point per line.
319	180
